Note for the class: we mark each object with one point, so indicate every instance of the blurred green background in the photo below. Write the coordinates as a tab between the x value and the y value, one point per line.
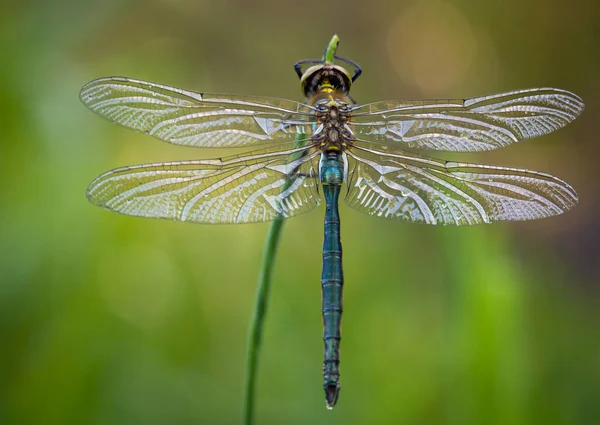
107	319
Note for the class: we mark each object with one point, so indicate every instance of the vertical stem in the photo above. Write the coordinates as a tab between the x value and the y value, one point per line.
328	56
256	328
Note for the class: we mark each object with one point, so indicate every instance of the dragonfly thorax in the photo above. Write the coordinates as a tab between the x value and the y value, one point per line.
333	132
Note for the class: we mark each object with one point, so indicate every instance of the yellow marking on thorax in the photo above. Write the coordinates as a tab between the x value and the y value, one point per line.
326	87
333	97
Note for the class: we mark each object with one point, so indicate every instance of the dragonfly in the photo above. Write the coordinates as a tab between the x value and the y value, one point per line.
308	151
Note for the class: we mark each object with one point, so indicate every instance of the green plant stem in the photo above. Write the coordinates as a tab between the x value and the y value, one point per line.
329	54
256	328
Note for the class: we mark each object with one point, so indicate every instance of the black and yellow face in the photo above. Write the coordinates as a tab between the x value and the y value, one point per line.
325	78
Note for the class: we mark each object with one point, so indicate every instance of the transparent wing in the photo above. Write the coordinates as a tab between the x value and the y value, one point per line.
422	190
242	189
477	124
195	119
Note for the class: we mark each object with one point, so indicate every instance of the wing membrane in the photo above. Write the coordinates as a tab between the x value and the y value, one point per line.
421	190
242	189
195	119
476	124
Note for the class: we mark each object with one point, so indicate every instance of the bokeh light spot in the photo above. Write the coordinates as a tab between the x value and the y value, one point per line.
432	46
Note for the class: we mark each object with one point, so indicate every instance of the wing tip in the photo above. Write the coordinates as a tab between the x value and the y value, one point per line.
91	195
577	104
574	101
85	97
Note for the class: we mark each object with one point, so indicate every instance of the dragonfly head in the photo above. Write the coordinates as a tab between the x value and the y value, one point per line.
325	77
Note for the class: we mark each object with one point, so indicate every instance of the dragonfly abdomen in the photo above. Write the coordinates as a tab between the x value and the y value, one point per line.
332	278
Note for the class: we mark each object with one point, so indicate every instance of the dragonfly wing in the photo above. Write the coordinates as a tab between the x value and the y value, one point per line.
195	119
243	189
422	190
477	124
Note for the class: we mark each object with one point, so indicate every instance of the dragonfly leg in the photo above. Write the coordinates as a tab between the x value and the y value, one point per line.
357	68
298	65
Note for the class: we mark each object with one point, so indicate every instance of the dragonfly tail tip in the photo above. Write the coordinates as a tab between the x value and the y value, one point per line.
332	392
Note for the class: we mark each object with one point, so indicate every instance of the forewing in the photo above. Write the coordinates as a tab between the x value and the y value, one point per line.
477	124
422	190
196	119
243	189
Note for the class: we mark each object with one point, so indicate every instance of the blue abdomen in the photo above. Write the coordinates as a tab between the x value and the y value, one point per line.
332	278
